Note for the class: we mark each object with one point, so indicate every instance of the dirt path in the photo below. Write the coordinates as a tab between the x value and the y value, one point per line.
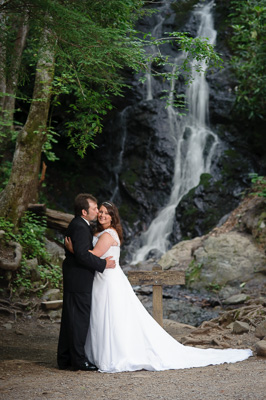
28	372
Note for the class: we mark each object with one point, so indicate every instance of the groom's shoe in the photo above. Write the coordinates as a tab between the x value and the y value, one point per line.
86	366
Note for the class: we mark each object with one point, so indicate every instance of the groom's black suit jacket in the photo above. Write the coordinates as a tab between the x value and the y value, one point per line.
79	268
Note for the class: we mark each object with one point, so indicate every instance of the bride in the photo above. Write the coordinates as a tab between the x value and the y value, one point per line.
122	335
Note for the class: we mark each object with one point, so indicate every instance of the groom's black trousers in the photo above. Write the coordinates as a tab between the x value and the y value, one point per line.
74	329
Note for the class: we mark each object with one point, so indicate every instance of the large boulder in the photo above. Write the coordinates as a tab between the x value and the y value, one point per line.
229	259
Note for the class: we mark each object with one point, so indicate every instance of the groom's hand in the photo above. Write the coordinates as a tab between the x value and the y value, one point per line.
110	263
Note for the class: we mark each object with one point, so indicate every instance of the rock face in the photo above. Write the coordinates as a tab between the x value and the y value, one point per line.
180	256
224	263
230	259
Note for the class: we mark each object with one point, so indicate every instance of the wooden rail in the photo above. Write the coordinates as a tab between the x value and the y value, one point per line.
157	278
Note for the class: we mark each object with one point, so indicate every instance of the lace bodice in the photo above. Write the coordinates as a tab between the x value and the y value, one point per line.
113	251
111	232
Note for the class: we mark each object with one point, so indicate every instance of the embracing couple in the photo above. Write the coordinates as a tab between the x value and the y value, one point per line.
104	326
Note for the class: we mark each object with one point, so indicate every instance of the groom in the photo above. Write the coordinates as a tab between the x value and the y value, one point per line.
78	274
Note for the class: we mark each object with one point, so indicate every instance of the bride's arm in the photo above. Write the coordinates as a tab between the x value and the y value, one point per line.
104	243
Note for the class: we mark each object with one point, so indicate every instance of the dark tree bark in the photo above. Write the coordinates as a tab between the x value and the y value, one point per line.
10	73
22	187
2	59
12	79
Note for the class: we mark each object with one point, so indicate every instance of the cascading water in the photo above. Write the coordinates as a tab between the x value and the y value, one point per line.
118	167
164	8
195	147
156	32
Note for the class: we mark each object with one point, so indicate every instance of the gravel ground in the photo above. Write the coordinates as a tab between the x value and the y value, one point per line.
28	371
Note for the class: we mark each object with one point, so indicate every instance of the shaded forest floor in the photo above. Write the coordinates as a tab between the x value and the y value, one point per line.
28	370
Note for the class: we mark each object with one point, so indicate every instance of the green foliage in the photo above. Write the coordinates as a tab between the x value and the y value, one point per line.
175	100
5	171
31	237
248	42
53	274
49	274
258	185
22	279
193	272
205	180
197	51
8	227
214	287
48	145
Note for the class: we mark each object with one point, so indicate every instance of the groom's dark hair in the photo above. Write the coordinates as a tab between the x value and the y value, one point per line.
82	203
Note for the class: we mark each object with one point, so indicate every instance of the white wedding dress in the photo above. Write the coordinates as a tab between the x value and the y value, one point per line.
124	337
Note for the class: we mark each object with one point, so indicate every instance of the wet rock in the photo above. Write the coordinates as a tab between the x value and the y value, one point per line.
205	206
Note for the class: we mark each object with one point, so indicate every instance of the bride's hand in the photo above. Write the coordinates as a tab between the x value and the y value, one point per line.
68	244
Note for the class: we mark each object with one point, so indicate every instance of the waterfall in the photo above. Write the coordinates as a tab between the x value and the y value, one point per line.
195	146
156	33
118	167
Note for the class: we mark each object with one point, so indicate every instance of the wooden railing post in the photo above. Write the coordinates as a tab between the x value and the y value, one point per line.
157	278
157	299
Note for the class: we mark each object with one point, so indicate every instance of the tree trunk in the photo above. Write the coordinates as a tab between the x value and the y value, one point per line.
2	60
9	74
23	183
13	73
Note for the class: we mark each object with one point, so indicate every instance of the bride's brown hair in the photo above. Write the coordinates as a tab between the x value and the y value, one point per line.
115	219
